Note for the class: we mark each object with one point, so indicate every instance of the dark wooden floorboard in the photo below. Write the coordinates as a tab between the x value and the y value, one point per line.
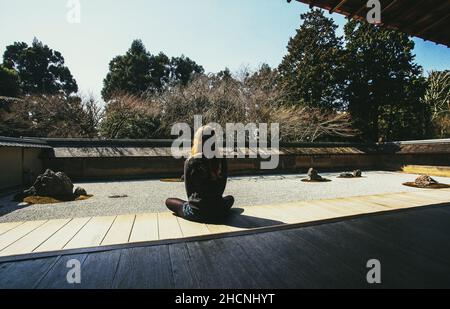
184	275
435	219
56	277
99	270
144	268
445	209
24	274
401	266
258	269
228	270
412	246
343	274
421	270
419	233
300	257
214	268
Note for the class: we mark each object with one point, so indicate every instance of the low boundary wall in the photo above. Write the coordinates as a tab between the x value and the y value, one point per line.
82	159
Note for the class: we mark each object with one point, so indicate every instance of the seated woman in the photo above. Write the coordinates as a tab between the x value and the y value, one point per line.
205	180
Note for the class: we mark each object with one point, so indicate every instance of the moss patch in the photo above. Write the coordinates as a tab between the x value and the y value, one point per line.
174	180
434	186
42	200
83	197
323	180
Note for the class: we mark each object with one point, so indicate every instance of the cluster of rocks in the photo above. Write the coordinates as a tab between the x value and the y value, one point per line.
313	175
55	185
354	174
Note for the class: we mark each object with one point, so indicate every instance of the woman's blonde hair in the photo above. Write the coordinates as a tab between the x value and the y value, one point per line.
197	145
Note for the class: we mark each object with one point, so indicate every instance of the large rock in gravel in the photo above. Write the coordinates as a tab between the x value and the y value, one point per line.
53	184
314	175
50	184
425	181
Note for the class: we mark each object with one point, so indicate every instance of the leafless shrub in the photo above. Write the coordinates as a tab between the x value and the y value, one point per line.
130	116
255	98
303	124
52	116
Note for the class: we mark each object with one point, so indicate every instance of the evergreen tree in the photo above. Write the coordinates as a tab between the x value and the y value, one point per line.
41	70
384	86
311	72
130	73
9	82
138	71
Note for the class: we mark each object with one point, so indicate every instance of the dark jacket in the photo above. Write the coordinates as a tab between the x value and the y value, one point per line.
205	181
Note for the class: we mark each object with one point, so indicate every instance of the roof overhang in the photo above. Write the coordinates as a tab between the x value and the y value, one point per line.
426	19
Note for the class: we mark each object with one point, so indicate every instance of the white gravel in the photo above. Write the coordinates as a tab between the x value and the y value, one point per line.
149	195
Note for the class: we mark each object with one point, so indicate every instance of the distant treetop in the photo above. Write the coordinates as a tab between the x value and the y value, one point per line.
40	69
138	72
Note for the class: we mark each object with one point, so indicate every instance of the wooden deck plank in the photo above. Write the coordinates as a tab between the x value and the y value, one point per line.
288	214
5	227
267	212
219	229
387	201
63	236
238	221
362	205
440	195
92	234
342	208
425	199
120	231
145	228
168	226
33	240
17	233
379	201
412	200
315	211
190	229
248	219
351	202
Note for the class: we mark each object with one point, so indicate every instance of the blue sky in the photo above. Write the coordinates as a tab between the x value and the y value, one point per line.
214	33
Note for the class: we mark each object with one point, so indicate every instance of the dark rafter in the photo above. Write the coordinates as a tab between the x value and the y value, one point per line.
429	20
